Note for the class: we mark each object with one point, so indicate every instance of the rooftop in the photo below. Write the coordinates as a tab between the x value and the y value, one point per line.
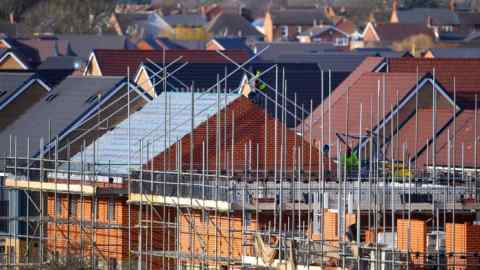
116	62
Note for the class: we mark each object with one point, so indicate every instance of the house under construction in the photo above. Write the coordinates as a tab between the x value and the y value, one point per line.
382	174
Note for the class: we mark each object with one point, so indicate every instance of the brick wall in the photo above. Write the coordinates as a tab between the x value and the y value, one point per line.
214	235
66	236
462	243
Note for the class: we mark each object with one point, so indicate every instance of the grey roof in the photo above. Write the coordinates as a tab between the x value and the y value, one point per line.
440	16
147	126
228	24
336	62
280	48
232	43
298	17
10	82
63	105
62	62
13	30
192	44
456	52
381	52
194	20
320	29
83	45
143	23
126	19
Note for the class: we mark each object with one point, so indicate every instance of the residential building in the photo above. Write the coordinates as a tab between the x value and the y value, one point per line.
14	29
326	34
82	45
151	24
288	24
13	60
140	24
233	25
19	92
466	53
29	53
276	50
69	111
439	19
386	34
255	81
118	62
228	43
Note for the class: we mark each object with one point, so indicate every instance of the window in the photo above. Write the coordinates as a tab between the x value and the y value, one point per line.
73	207
111	209
341	41
58	205
447	28
51	97
299	29
93	98
284	31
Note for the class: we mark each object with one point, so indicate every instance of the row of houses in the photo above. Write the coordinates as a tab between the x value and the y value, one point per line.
456	24
130	129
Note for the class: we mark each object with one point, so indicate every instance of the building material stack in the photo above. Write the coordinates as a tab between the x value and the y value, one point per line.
412	238
463	246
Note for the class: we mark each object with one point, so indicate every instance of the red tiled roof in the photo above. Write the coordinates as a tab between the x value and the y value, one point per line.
416	135
465	71
465	134
346	25
390	32
251	127
115	62
363	91
368	65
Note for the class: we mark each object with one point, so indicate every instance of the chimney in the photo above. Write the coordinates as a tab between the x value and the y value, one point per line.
393	16
429	21
11	17
451	5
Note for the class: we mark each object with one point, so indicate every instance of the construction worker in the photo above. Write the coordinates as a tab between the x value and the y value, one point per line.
350	161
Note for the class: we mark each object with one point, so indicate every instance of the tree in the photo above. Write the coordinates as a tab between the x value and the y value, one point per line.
414	44
15	7
67	16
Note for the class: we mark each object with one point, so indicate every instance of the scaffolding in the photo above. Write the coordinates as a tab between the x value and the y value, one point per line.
278	203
